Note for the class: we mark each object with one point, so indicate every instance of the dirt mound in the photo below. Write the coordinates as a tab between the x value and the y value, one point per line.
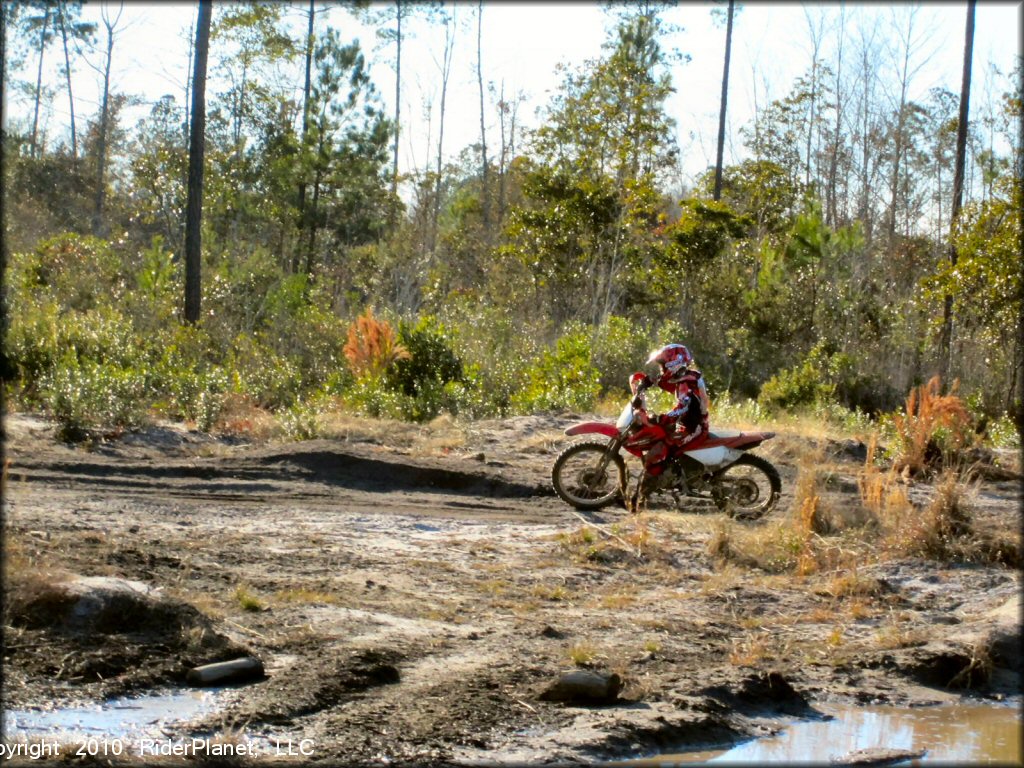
351	467
761	691
320	682
89	629
318	468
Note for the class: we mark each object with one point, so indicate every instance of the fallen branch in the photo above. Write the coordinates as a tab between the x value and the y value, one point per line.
246	629
605	532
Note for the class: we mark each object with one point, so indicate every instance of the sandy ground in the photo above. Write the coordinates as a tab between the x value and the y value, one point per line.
412	595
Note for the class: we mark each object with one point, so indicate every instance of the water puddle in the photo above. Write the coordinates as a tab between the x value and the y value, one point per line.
129	718
951	734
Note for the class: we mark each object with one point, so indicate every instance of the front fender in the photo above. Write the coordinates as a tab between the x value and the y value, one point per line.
591	428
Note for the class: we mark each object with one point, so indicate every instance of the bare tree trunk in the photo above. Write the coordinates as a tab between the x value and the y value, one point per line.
67	73
502	155
196	150
39	81
305	128
188	79
899	147
398	98
832	206
721	113
945	343
485	202
446	68
101	144
311	242
815	35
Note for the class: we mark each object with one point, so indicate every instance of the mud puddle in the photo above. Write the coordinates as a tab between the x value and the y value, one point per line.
969	732
129	719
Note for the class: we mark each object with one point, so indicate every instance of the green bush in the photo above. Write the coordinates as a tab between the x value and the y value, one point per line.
496	351
190	379
301	420
32	343
431	360
80	271
373	397
155	300
620	347
84	396
563	378
805	385
271	379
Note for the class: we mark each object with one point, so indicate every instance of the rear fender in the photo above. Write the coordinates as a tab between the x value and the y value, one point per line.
715	456
593	428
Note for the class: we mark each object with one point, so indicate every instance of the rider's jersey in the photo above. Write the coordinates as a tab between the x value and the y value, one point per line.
691	394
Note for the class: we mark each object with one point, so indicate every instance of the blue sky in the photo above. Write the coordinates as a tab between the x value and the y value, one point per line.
523	43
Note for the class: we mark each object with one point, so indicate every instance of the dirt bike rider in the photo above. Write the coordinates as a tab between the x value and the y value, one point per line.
687	423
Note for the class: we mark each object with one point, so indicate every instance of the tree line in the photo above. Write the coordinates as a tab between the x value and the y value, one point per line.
843	261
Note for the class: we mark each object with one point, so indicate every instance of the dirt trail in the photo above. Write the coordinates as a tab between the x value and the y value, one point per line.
411	598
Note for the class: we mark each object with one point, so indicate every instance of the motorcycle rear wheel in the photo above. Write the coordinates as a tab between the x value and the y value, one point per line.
578	481
748	489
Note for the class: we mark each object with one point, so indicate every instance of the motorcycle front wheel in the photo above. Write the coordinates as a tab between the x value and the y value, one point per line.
584	477
748	489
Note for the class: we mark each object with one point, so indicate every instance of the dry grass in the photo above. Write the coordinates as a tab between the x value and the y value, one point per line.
927	414
247	600
618	600
439	437
814	537
811	516
853	584
556	593
583	653
882	493
372	346
205	602
28	576
546	441
240	416
494	587
900	635
301	596
338	424
750	650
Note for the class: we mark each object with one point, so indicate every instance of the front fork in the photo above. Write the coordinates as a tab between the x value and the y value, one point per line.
613	448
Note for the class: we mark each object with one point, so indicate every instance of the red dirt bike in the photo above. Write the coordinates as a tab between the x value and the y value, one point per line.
592	474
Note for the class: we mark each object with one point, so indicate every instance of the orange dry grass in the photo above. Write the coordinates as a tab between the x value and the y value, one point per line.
928	412
372	346
881	493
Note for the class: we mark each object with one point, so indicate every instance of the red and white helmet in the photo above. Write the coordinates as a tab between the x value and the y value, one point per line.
673	359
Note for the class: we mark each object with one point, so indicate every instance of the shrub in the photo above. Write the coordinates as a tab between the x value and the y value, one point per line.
372	346
620	347
373	397
430	362
301	421
153	303
32	342
80	271
563	378
931	428
272	380
496	351
725	411
85	396
189	376
804	385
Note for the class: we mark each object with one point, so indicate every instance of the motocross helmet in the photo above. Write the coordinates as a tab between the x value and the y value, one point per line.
673	359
